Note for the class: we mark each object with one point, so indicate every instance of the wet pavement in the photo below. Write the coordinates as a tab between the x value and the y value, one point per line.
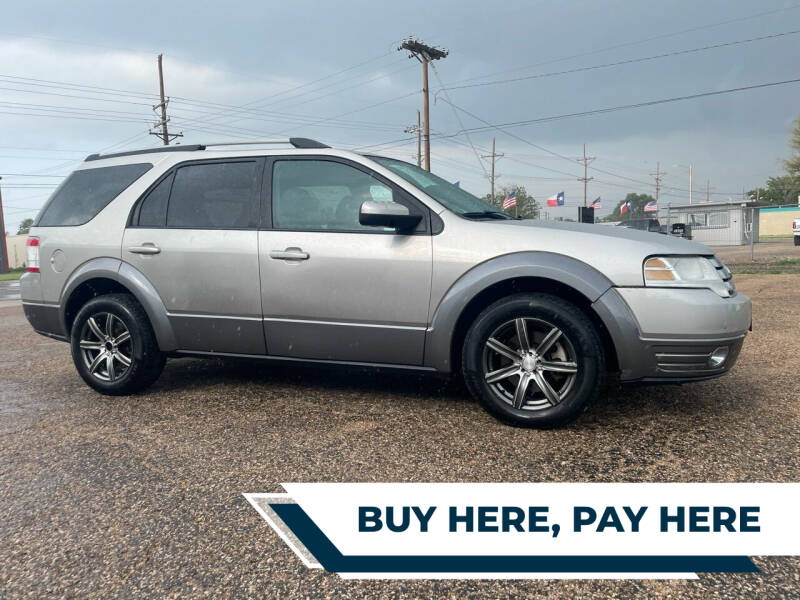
9	290
141	496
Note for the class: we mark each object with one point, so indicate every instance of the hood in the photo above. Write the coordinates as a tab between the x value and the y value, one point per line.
617	252
666	244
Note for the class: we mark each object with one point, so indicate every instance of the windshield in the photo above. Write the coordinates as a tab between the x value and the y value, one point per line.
449	195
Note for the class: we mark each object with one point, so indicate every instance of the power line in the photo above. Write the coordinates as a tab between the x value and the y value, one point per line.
635	42
630	106
620	62
461	124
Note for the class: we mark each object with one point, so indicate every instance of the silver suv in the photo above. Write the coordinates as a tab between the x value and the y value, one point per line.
308	253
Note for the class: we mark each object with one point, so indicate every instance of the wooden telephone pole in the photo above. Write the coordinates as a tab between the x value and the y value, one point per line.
585	179
494	156
418	130
658	175
4	264
424	54
163	134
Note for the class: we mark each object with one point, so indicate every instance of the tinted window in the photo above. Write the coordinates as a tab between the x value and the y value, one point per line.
215	196
85	193
319	194
152	211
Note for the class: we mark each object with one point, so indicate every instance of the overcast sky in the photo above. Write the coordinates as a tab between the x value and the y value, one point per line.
289	65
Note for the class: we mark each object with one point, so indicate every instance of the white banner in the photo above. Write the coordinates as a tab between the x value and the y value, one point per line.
400	527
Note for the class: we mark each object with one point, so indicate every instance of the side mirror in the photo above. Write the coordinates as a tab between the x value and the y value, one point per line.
387	214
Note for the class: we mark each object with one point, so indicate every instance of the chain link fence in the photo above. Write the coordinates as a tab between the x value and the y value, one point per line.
743	232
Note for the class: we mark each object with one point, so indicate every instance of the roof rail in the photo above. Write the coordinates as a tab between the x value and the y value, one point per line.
297	142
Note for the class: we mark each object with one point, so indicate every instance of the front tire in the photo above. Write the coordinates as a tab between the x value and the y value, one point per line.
797	240
113	346
533	360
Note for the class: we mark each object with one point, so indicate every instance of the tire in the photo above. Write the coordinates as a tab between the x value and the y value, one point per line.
99	331
568	338
797	240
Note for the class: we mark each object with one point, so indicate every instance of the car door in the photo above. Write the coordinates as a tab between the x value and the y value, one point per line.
333	289
194	235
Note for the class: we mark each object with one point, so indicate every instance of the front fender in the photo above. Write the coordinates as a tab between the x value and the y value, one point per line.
132	279
573	273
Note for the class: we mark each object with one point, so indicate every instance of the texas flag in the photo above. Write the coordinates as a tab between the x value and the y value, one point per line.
595	204
626	207
557	200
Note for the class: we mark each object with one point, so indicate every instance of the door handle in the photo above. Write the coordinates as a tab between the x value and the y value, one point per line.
146	248
289	254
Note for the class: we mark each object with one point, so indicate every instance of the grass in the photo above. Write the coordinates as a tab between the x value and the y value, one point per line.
763	272
789	261
12	276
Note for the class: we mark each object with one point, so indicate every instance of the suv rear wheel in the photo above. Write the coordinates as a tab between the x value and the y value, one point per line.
113	345
533	360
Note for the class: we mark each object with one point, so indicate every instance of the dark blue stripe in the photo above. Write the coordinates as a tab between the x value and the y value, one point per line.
334	561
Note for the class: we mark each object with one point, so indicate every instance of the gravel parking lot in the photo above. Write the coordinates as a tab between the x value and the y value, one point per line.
141	496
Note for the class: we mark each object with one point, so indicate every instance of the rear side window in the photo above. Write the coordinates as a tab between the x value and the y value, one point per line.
214	196
86	192
152	211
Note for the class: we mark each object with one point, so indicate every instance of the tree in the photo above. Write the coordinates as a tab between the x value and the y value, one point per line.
24	226
637	202
527	206
793	163
780	190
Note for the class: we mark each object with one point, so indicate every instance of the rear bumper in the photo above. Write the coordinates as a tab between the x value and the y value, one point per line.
45	319
674	335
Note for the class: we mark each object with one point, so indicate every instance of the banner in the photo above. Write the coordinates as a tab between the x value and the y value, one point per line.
514	530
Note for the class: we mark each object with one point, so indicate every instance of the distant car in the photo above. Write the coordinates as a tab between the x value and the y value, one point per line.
796	231
683	230
643	225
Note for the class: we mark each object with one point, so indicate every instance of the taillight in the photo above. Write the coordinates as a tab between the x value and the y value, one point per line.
32	249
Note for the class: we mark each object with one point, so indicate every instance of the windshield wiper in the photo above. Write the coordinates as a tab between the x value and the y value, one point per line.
486	214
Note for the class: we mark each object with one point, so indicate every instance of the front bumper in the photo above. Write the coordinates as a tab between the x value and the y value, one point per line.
672	335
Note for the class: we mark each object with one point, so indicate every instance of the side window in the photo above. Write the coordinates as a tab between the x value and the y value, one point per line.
322	195
152	211
86	192
214	196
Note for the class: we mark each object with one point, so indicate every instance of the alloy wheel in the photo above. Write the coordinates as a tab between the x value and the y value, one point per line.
529	363
106	347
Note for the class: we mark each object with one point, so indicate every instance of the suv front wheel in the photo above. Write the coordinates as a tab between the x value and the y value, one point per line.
114	347
533	360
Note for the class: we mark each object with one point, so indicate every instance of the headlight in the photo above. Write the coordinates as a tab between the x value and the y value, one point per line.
688	272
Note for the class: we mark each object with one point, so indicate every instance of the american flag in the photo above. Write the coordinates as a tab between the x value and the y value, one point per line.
510	200
595	204
651	206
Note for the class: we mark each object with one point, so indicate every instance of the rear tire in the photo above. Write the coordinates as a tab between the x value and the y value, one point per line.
113	346
797	240
543	382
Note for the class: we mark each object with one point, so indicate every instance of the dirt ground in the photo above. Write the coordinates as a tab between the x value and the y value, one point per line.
779	253
142	496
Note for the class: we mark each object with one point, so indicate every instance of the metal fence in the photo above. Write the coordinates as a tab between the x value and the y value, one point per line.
731	224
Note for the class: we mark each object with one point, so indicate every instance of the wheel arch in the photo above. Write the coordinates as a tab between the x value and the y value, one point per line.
108	275
487	282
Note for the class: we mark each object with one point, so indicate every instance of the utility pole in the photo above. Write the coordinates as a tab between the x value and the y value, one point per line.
3	245
494	156
585	179
691	172
658	175
708	191
424	54
164	134
418	130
